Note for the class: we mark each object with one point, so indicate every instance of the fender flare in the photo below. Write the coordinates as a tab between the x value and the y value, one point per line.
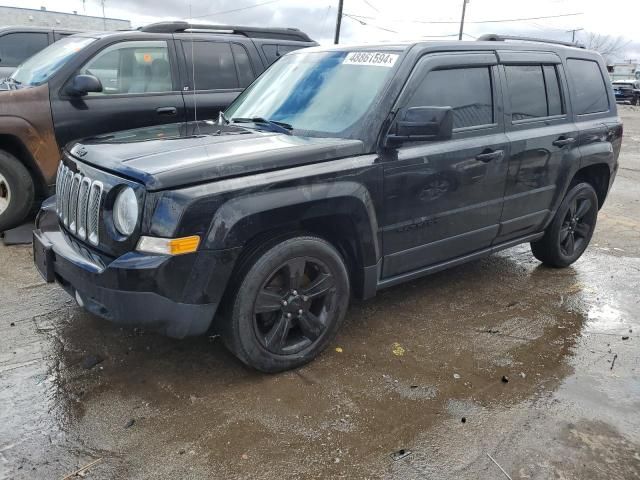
240	219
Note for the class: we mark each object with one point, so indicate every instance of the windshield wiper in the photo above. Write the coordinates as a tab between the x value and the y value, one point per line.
276	126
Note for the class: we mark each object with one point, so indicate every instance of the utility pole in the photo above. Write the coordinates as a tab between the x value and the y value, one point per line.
573	33
104	18
336	39
464	7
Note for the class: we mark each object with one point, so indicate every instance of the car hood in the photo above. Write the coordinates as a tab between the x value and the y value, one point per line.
167	157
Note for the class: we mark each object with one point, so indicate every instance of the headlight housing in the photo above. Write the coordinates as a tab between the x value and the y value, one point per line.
125	211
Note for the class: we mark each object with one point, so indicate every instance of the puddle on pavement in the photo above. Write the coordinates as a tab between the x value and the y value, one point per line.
197	410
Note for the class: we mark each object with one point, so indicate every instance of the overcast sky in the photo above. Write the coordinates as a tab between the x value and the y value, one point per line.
382	19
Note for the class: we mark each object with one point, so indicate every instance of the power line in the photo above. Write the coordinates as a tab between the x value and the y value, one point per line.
362	22
504	20
223	12
369	3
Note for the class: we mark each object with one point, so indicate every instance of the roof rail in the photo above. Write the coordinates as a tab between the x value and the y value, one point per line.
254	32
494	37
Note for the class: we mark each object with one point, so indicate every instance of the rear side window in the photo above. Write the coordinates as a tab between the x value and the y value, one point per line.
243	65
15	48
589	92
213	65
534	91
466	90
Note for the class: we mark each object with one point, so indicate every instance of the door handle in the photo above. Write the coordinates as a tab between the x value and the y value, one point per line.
166	110
487	156
562	141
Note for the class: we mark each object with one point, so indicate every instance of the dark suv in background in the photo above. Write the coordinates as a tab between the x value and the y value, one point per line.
17	44
342	169
99	82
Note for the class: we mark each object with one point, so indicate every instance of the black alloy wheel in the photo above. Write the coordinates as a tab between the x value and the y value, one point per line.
290	297
577	225
290	311
570	231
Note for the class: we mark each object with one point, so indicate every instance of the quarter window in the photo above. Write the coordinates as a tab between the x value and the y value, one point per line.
589	92
274	52
466	90
15	48
213	65
132	67
554	98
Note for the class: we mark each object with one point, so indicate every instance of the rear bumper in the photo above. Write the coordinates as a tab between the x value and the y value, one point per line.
176	296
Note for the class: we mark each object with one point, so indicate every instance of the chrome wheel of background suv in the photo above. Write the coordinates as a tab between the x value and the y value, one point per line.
5	194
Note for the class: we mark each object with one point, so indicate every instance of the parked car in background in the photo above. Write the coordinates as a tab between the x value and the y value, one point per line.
342	169
627	91
99	82
17	44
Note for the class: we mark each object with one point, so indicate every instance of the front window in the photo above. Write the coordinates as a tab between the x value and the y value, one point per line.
132	67
317	93
39	68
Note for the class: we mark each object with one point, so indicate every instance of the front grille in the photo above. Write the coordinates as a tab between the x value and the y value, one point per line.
78	200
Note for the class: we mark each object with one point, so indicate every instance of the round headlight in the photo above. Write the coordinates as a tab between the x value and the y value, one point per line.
125	211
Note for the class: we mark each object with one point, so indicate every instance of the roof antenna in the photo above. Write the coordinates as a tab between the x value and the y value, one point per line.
193	74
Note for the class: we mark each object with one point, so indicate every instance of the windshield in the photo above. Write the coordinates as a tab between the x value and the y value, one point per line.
39	68
316	93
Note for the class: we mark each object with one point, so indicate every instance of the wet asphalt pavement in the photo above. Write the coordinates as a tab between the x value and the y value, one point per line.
411	388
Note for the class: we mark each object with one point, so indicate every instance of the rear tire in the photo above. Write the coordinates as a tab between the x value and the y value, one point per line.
17	191
289	303
570	231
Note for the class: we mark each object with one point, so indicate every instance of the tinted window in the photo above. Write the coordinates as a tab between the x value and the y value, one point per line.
15	48
245	72
554	98
589	93
526	91
213	65
132	67
466	90
274	52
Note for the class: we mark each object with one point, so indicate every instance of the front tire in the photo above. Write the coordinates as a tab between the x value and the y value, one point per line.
289	304
570	232
17	192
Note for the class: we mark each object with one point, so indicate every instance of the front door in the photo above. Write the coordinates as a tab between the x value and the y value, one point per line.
443	199
140	89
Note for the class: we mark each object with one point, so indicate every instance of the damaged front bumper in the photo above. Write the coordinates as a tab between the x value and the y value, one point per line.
175	295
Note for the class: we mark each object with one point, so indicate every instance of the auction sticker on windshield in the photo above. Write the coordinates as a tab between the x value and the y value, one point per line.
376	59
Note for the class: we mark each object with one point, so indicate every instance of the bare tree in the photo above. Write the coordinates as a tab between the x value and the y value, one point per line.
608	46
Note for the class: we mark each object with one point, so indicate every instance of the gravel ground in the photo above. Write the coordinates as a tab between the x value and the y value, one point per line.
412	387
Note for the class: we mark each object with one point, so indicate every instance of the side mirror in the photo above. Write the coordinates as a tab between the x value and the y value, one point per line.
83	84
422	124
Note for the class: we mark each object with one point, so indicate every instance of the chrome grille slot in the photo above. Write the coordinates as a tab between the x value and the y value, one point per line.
78	202
73	202
66	190
93	212
83	200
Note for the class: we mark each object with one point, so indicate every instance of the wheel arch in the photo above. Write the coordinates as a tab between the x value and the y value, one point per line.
598	175
16	147
342	213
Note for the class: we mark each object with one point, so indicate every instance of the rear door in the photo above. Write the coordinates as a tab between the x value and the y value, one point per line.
543	138
140	89
215	73
443	199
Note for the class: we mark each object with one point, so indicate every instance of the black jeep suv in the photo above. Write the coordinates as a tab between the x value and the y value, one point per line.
340	170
